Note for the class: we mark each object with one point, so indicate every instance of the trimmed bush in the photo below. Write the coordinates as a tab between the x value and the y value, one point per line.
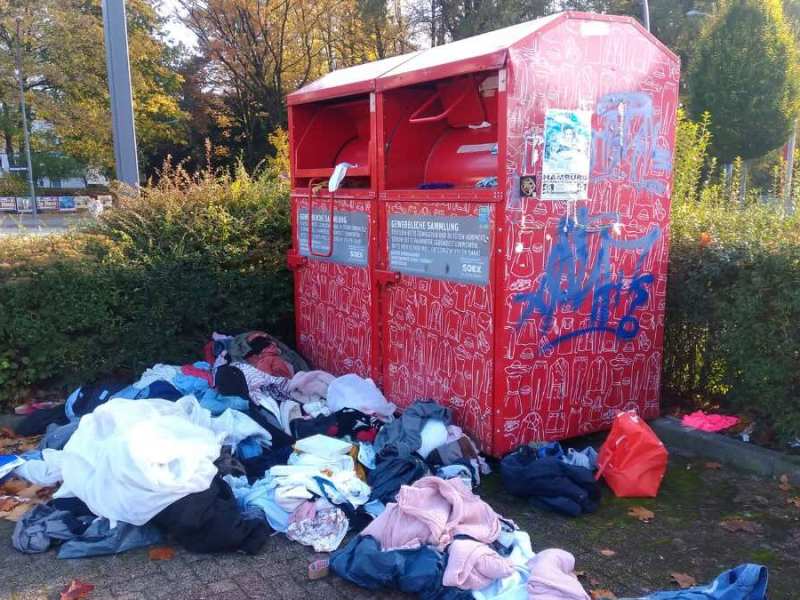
147	284
732	335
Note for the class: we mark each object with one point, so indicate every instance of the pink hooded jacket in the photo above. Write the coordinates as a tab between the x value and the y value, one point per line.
433	511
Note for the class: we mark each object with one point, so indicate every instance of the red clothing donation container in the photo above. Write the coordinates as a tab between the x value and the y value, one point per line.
501	243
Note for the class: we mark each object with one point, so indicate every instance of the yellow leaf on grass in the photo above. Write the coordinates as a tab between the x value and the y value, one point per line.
641	513
600	594
683	580
607	552
161	553
734	525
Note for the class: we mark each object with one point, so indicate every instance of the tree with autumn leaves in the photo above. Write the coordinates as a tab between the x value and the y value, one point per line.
64	76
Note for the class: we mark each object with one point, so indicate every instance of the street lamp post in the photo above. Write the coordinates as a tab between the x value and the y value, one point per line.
119	85
23	108
646	14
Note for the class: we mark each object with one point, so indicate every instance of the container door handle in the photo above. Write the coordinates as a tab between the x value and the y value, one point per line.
386	278
329	253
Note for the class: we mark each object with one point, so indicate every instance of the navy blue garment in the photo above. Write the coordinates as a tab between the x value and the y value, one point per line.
91	396
37	422
210	521
745	582
392	472
417	571
550	483
162	389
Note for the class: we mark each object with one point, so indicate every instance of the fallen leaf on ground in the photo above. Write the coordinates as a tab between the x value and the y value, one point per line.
161	553
641	513
795	501
602	595
13	486
734	525
713	465
76	590
683	580
607	552
784	483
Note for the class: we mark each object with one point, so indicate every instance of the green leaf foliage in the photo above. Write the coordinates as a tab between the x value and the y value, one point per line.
744	73
732	335
148	284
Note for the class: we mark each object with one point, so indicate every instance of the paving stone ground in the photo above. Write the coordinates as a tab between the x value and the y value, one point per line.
684	537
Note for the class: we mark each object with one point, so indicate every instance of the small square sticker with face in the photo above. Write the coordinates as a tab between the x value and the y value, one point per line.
527	186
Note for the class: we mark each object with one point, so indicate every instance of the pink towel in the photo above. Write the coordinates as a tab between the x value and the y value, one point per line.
552	577
708	422
433	511
472	565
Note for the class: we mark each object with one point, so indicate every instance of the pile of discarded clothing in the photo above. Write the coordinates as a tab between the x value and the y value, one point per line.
219	454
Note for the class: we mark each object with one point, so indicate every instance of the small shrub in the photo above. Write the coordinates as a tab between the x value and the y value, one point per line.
146	284
732	335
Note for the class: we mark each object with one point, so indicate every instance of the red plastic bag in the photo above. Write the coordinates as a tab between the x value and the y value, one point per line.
633	460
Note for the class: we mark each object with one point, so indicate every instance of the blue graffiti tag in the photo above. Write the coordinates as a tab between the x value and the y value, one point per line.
571	278
628	137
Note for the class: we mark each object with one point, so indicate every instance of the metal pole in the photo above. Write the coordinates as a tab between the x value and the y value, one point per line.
788	202
646	14
26	135
119	85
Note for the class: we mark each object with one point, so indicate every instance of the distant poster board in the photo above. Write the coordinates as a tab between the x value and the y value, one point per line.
8	204
24	204
47	202
107	200
567	154
82	202
66	204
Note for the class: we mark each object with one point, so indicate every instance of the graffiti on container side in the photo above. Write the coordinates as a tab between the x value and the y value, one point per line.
574	275
626	144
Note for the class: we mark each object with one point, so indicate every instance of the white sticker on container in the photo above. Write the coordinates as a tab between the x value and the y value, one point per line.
470	148
594	28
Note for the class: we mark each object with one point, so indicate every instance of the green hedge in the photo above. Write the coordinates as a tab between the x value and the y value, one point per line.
148	284
732	337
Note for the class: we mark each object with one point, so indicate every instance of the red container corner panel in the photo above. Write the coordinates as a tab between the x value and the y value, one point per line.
586	281
437	333
333	300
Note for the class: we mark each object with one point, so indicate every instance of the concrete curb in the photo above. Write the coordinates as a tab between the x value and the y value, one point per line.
685	441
